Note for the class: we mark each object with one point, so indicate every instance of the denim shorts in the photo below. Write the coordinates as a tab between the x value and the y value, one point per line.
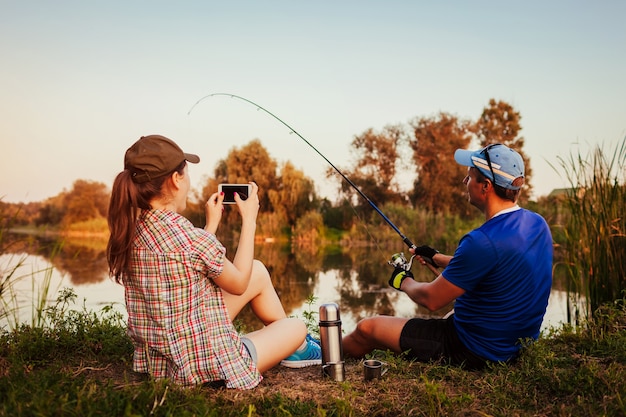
251	349
436	339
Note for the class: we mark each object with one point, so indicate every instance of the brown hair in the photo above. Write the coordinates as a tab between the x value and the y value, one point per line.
128	199
503	193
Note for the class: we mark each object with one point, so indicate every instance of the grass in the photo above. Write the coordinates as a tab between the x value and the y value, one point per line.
11	273
595	227
69	362
80	363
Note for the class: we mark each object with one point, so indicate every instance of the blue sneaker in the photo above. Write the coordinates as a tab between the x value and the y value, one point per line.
307	356
312	339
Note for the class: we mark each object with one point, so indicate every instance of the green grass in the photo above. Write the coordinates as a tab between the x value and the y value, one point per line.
69	362
79	363
595	226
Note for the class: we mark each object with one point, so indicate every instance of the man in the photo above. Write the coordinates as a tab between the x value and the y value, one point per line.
499	277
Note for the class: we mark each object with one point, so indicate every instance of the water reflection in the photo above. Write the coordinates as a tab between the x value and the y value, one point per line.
355	280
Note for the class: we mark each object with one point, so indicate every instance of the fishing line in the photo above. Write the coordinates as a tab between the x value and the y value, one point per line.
405	239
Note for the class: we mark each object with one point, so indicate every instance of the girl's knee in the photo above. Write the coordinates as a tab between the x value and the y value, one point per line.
294	326
259	271
260	278
299	328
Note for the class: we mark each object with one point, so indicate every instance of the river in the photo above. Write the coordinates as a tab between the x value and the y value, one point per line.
356	281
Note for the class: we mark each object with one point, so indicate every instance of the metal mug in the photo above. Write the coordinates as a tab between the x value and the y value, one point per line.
334	371
373	369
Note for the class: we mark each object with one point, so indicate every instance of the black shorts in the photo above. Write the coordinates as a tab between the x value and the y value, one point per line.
436	339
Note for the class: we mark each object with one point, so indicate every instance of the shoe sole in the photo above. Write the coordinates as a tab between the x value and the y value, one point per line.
301	364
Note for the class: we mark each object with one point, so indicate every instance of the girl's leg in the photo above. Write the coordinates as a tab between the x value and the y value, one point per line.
281	336
380	332
276	341
261	296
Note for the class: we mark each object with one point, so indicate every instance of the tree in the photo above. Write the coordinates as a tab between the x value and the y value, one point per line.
337	216
294	196
439	185
19	214
87	200
374	172
283	199
500	123
52	212
251	162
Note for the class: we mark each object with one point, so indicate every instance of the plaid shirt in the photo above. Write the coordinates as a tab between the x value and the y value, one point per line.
177	318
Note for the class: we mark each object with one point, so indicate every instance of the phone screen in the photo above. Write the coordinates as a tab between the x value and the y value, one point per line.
229	191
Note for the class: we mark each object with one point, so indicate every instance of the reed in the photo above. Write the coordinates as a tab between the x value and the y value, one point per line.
41	281
595	228
14	270
9	266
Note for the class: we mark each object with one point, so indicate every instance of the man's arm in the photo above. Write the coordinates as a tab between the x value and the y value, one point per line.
432	295
442	260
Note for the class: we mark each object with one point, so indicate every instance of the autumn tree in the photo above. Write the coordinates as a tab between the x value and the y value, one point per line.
283	197
374	172
18	214
85	201
500	123
439	183
295	194
251	162
51	212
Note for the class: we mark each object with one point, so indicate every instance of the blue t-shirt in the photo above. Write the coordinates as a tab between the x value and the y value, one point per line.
505	268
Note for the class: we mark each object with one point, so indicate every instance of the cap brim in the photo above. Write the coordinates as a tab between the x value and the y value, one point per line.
194	159
464	157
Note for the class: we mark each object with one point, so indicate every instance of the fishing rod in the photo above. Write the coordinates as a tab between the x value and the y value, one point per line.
395	260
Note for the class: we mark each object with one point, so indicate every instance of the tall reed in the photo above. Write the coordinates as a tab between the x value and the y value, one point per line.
595	229
12	263
9	265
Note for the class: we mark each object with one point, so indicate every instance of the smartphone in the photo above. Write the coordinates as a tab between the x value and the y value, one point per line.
229	191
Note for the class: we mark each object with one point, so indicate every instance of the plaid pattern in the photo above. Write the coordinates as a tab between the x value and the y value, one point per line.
177	318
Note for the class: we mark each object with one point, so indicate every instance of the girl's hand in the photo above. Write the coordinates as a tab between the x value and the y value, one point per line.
249	208
213	211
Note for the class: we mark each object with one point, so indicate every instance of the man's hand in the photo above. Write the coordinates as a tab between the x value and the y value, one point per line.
427	253
398	276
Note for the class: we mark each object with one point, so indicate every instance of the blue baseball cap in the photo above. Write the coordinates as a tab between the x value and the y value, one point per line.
497	162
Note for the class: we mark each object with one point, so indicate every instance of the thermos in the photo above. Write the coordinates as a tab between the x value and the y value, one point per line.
330	339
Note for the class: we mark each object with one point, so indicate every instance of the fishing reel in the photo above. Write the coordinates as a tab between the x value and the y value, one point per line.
398	260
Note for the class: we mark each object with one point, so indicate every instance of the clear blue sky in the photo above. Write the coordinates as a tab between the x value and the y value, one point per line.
80	81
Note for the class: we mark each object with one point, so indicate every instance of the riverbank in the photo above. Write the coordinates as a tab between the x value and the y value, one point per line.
80	364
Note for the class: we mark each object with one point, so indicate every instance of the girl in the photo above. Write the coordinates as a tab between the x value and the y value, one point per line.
181	291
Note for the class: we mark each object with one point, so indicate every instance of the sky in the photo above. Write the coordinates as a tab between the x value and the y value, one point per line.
81	81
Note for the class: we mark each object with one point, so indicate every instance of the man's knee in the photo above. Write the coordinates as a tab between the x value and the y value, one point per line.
380	332
366	327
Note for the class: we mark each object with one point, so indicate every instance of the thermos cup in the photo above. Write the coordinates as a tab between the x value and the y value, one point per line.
330	339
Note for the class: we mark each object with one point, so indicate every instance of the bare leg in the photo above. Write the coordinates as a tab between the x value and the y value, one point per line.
260	294
276	341
380	332
281	336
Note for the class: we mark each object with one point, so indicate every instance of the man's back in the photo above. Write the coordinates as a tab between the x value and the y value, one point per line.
505	268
